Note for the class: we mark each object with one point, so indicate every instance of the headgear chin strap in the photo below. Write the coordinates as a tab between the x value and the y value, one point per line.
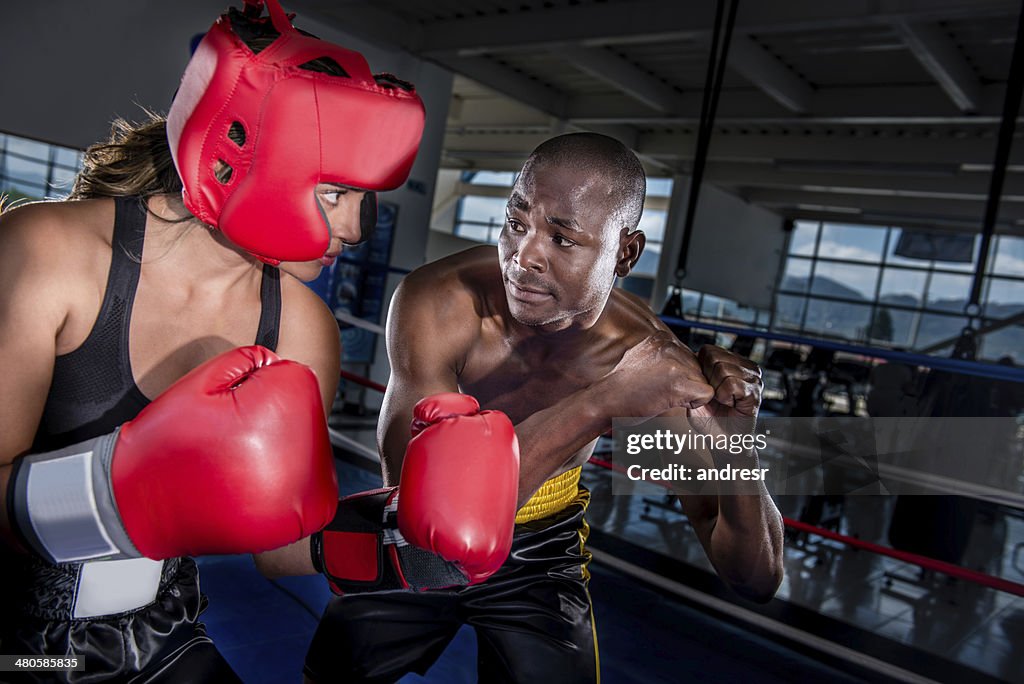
367	216
297	128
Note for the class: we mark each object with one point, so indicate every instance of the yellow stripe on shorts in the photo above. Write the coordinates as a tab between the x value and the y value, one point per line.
553	496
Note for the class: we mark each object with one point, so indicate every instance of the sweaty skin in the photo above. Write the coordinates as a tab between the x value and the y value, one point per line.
478	346
535	329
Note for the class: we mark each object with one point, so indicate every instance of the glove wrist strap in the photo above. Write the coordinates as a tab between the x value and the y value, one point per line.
349	551
62	504
362	550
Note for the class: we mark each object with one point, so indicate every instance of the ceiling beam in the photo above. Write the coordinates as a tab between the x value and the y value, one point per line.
555	28
921	181
909	182
872	105
605	65
455	158
655	21
943	60
360	18
501	191
853	148
494	145
881	218
924	208
767	73
494	111
946	214
944	152
508	82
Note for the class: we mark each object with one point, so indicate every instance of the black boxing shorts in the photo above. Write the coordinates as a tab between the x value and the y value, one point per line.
533	618
156	643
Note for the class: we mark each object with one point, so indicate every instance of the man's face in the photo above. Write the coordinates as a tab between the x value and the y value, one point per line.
559	245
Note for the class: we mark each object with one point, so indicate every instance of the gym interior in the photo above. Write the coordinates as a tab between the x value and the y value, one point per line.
834	190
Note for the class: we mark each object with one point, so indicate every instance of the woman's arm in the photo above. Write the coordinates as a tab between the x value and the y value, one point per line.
34	285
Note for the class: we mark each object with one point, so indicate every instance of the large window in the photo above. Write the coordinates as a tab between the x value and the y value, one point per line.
884	286
480	217
702	306
887	287
35	170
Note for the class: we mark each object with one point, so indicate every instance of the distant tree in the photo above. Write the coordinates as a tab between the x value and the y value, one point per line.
881	326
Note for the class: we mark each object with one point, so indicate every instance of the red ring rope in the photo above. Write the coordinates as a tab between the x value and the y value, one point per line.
360	380
925	562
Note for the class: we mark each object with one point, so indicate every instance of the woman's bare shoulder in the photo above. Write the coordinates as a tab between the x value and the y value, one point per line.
306	321
53	262
59	231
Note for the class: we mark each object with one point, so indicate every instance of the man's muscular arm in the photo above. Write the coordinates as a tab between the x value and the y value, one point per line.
652	377
741	533
433	325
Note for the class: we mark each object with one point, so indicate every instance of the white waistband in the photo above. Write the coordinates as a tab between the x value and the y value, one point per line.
117	586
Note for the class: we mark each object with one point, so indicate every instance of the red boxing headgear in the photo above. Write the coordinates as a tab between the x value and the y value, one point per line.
300	128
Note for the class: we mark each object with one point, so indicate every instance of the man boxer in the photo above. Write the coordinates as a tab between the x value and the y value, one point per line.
139	424
540	334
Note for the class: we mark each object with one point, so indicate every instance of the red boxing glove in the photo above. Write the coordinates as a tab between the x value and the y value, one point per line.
232	458
460	482
455	515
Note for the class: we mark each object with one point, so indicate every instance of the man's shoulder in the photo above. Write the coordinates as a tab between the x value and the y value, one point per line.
464	278
443	305
632	317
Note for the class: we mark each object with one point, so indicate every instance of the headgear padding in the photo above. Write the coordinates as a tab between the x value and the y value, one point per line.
300	128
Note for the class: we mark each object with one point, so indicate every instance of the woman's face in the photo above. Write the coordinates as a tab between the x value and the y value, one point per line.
340	207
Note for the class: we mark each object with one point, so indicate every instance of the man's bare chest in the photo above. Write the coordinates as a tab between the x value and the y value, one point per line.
522	386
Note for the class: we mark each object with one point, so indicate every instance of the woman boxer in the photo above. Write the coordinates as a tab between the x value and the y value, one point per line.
133	433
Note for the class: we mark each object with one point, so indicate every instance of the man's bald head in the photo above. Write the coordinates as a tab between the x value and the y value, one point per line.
602	155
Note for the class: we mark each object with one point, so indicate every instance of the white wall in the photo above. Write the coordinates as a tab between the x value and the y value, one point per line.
446	201
440	245
734	249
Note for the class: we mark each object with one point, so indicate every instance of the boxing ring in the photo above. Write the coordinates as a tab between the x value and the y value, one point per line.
955	365
622	559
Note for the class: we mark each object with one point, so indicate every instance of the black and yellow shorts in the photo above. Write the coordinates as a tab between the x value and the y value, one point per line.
533	618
